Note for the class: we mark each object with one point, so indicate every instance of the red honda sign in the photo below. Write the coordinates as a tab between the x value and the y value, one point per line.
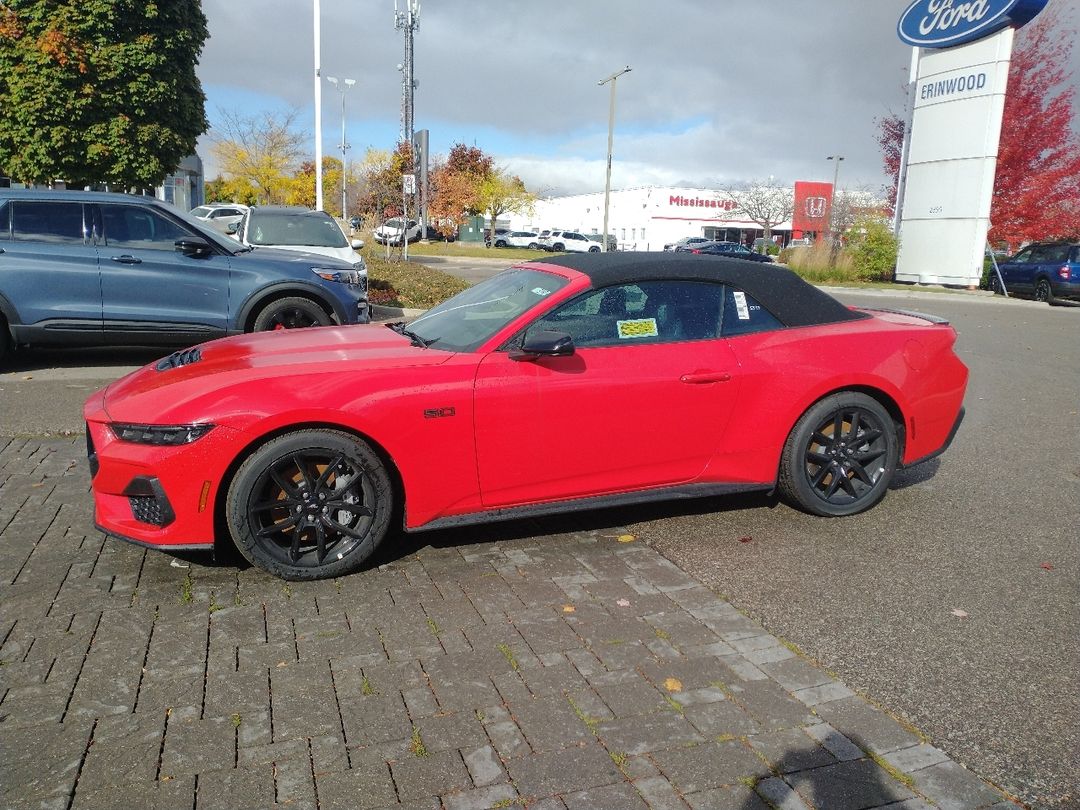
812	204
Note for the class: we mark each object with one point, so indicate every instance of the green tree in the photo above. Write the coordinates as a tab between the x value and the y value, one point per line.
262	149
99	91
873	248
501	193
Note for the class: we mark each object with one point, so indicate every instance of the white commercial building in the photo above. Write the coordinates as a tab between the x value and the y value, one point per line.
645	218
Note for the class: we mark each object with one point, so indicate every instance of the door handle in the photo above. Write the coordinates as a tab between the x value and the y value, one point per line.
126	259
705	377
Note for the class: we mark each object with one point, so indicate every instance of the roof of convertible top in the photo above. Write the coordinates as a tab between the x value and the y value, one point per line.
779	290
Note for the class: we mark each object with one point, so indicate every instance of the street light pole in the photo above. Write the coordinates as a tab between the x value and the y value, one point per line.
342	88
318	110
613	78
835	180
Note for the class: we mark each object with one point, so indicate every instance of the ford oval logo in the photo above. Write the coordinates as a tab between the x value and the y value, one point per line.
944	23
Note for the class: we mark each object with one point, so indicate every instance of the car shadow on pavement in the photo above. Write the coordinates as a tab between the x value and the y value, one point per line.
81	357
920	473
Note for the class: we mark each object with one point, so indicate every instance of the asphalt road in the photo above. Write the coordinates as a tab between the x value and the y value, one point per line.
952	604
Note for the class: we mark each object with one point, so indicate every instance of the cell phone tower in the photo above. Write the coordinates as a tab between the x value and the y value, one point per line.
407	20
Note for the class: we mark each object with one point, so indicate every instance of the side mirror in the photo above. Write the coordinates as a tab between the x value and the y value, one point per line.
544	343
192	246
232	228
357	244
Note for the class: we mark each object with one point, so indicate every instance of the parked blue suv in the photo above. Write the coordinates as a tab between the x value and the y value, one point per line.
1046	271
88	268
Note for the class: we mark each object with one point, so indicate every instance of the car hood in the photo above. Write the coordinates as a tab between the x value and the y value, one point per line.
305	256
225	376
314	253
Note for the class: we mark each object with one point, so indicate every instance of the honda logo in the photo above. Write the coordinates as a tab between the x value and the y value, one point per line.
815	207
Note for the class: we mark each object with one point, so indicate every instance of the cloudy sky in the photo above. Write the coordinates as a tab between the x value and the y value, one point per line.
721	91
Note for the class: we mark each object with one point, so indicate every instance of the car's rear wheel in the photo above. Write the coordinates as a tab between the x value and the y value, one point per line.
1043	291
291	313
558	247
533	246
310	505
594	249
840	456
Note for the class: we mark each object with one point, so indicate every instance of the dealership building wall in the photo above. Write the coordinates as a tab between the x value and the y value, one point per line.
645	218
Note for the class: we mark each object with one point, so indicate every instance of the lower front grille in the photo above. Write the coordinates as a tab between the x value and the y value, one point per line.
91	453
149	503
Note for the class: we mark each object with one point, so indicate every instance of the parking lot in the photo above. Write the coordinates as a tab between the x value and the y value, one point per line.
951	606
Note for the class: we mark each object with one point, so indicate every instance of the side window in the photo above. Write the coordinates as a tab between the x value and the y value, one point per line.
649	312
58	223
133	226
1024	256
1057	253
744	315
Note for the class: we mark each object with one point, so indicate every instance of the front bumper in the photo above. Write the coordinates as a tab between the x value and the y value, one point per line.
155	496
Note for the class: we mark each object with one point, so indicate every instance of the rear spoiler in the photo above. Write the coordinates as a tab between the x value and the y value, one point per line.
934	319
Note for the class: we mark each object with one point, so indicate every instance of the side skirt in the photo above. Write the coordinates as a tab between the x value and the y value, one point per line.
683	492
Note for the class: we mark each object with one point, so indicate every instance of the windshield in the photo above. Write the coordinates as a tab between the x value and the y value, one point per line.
393	223
473	316
200	212
200	226
299	228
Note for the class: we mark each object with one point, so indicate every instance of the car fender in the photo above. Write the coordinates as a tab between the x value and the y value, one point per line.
11	315
258	298
404	428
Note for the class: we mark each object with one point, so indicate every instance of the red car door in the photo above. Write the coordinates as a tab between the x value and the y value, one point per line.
628	415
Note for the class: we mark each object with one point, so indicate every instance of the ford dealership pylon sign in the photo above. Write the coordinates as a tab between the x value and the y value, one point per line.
957	92
945	23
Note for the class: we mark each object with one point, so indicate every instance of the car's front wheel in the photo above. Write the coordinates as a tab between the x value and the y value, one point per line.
310	505
290	313
595	249
840	456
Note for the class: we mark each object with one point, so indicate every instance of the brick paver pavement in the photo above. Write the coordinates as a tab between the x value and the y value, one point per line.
578	670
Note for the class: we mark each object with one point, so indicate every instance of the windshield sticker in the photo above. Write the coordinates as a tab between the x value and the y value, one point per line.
740	305
640	328
540	291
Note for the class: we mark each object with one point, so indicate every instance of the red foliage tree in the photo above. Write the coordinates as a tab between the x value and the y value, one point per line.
1038	169
890	138
1038	172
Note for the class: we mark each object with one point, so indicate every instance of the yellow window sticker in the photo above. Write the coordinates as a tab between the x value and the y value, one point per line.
639	328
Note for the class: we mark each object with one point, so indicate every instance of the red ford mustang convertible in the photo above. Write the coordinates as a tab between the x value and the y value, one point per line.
569	383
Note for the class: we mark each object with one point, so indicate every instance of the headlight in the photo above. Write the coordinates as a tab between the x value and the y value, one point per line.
161	435
341	276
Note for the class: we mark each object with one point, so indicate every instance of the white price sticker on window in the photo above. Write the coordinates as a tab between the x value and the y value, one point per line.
740	305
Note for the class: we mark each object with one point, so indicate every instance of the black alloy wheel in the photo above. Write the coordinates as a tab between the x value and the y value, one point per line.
291	313
840	457
310	504
1043	292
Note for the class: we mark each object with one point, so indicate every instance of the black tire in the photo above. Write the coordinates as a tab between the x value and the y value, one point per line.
594	249
5	341
840	456
995	285
1044	292
558	247
501	243
335	500
291	313
534	246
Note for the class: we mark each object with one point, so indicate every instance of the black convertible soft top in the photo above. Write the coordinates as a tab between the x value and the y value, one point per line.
782	292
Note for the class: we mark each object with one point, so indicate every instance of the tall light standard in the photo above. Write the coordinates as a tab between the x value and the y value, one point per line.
318	110
342	88
613	78
835	180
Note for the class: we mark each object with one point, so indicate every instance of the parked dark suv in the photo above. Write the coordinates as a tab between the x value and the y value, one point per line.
1046	271
85	268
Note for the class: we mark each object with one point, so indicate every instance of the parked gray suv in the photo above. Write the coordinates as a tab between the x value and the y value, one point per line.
90	268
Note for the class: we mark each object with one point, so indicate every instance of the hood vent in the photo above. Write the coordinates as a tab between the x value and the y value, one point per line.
177	359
